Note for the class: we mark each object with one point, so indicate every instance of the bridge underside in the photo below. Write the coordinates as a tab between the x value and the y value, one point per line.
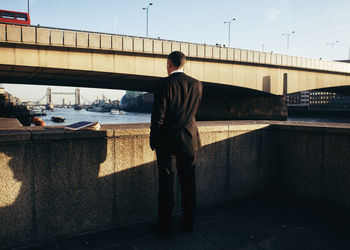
106	80
220	102
231	90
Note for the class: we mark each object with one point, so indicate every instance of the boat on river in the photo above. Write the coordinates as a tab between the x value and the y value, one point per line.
37	111
100	106
58	118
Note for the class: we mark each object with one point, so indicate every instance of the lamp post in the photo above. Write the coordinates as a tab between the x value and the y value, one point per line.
150	4
332	45
28	6
229	30
288	34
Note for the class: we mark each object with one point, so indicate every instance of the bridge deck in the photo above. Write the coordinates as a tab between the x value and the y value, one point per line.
101	41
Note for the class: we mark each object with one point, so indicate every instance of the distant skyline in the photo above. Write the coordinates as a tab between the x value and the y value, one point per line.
258	26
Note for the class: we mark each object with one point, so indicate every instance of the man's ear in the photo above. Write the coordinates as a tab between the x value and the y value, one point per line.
171	64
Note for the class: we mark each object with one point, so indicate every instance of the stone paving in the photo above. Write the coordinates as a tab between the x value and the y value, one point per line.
255	224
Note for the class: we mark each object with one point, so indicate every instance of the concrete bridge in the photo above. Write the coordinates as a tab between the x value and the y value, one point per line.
50	56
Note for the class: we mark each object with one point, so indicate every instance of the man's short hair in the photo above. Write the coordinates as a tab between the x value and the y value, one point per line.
177	58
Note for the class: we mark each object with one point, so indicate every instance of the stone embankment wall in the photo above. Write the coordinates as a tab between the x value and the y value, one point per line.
56	183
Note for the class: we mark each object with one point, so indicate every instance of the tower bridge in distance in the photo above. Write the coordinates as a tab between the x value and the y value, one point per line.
237	83
50	93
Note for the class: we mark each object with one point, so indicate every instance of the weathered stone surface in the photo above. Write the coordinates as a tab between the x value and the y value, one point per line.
56	37
82	39
69	38
94	41
2	32
56	182
70	195
127	43
117	42
212	182
28	34
16	194
43	36
135	178
106	41
148	46
138	44
13	33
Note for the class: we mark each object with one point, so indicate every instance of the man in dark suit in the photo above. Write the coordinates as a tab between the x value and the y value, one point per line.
174	136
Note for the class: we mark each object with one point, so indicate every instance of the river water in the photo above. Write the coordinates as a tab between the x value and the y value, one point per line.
73	116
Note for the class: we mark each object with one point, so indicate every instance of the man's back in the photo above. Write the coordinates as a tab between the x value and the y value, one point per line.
174	135
176	104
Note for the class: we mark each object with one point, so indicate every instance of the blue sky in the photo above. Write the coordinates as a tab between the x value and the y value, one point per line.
259	25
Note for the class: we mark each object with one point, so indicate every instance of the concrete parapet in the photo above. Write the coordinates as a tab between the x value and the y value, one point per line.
223	54
13	33
43	36
28	34
106	41
157	47
193	50
127	43
55	183
82	39
201	51
117	43
167	47
69	38
184	48
138	44
230	54
175	46
216	52
57	37
94	41
2	32
146	45
314	163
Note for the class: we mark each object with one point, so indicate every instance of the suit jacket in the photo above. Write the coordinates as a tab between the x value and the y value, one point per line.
173	124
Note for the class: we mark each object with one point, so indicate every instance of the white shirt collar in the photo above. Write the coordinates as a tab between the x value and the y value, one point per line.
177	70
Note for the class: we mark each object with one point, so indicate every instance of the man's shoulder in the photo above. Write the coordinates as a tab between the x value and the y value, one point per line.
182	76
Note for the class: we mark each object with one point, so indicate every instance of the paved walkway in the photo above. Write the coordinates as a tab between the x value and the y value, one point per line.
255	224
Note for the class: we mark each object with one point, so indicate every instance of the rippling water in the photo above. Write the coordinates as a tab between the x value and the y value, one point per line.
73	116
322	119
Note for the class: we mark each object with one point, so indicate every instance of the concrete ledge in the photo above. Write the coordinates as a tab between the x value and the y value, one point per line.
28	34
13	33
43	36
2	32
55	183
57	37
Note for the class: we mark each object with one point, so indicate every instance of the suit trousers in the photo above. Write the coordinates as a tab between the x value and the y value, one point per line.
185	165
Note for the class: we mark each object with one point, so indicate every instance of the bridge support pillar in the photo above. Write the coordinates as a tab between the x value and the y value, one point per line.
253	108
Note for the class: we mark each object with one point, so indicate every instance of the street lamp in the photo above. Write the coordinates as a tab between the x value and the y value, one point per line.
28	6
147	17
288	34
332	45
229	30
